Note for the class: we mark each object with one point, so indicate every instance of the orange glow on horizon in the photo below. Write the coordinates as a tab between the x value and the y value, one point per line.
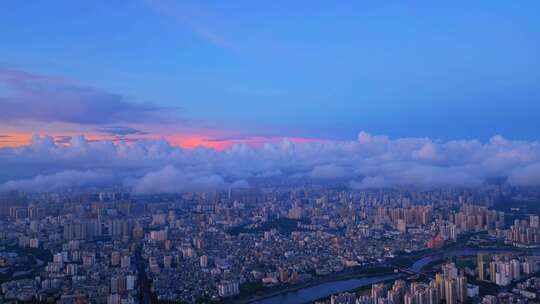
190	142
185	141
11	140
193	141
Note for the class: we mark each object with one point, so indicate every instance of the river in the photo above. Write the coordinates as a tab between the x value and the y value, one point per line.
312	293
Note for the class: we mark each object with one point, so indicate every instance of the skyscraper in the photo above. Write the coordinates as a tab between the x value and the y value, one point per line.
462	288
493	271
450	286
516	269
482	266
535	221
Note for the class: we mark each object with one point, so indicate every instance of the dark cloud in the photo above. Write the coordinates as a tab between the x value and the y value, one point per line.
121	131
229	138
527	176
329	171
6	139
62	139
46	99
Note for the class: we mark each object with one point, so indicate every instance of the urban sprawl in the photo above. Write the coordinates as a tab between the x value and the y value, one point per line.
252	244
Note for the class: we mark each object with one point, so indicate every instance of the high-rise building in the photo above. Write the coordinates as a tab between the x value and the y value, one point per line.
10	200
439	281
433	295
167	261
283	275
115	258
122	284
462	288
393	296
228	289
113	299
482	260
516	269
377	291
130	282
450	287
125	262
343	298
203	261
535	221
401	225
114	284
408	299
82	229
493	271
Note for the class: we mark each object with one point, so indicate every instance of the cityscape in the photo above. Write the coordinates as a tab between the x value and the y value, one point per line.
266	245
269	152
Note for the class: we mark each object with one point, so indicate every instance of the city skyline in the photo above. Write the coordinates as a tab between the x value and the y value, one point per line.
269	152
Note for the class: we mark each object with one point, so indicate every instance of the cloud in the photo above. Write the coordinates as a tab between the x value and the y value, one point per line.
173	180
269	173
121	131
240	184
428	151
499	140
366	138
58	181
39	98
152	166
328	172
6	139
369	182
526	176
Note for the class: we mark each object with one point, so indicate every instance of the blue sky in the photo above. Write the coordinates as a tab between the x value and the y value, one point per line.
322	69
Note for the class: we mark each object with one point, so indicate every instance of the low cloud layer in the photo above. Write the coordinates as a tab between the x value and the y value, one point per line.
367	162
63	180
171	179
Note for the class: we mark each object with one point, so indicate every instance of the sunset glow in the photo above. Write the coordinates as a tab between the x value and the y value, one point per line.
184	141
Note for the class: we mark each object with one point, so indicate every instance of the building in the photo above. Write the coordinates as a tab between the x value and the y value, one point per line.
451	291
228	289
343	298
203	261
481	261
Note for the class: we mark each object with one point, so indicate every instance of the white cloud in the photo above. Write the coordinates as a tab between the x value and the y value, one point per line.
499	140
172	180
240	184
428	151
58	181
370	161
364	137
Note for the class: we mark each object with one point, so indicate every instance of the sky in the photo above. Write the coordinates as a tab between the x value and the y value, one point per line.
218	74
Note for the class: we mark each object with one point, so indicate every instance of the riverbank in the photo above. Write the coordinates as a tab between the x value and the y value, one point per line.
365	287
405	261
415	263
320	290
359	274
